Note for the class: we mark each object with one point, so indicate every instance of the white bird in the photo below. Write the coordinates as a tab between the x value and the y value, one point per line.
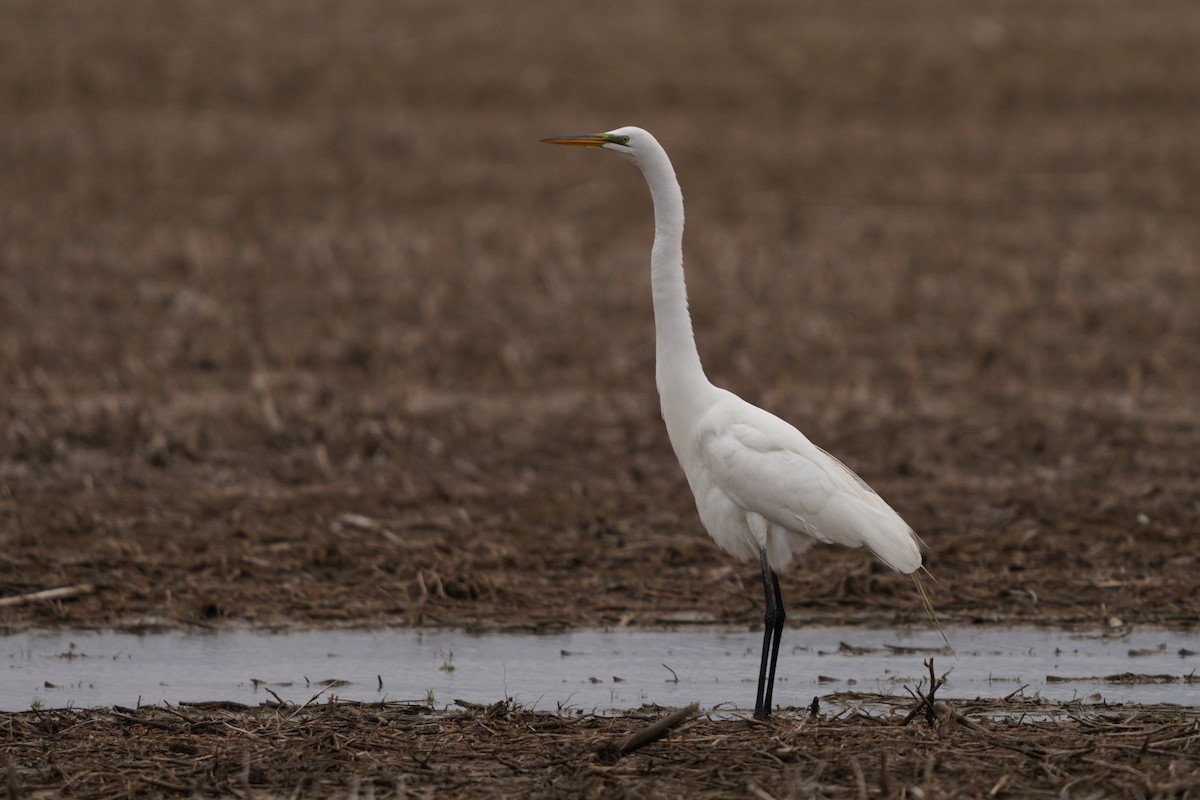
762	488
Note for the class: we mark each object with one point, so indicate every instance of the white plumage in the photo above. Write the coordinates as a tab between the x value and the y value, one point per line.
760	483
762	488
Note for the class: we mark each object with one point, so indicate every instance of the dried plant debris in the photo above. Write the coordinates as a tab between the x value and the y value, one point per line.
502	750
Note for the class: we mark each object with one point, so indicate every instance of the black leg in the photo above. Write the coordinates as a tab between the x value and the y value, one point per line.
772	630
780	617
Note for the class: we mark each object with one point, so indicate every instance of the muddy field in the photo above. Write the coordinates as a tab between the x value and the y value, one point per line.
301	326
396	750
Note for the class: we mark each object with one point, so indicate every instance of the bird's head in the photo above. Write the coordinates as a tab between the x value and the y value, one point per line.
627	142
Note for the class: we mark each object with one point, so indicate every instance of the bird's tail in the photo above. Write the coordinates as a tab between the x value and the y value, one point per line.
925	601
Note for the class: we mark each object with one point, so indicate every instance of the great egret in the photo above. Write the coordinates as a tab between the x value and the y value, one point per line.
762	488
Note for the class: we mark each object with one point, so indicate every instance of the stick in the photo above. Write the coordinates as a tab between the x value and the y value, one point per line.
934	684
13	788
926	701
657	730
60	593
761	794
859	779
149	723
651	733
266	403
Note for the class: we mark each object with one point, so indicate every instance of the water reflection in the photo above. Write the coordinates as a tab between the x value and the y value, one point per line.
586	670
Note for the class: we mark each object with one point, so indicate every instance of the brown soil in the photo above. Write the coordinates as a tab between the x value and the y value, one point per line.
396	750
299	324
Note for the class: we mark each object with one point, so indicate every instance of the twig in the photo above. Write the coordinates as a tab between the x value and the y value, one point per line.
469	705
935	683
760	793
860	780
926	701
1000	785
244	775
1015	692
149	723
310	700
60	593
13	788
193	724
651	733
270	413
998	741
655	731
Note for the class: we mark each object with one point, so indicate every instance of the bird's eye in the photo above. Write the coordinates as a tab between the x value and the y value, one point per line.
622	140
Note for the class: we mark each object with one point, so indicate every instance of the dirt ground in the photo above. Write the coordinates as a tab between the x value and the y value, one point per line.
396	750
301	326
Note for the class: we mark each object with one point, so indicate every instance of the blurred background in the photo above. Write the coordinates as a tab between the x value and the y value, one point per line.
300	323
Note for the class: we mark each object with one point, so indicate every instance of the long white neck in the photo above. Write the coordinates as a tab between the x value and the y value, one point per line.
680	377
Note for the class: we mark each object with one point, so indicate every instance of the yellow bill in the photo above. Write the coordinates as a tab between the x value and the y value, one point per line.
581	140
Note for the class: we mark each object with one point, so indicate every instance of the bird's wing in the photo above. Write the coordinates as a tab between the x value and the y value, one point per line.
766	466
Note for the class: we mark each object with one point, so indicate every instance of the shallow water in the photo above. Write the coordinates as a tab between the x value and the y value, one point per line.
589	670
